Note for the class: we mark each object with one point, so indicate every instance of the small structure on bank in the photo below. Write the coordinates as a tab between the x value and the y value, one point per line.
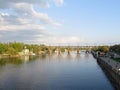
26	51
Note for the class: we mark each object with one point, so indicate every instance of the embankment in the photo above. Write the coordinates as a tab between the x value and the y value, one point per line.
111	69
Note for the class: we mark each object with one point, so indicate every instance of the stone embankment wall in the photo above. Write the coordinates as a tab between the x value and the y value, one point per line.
111	67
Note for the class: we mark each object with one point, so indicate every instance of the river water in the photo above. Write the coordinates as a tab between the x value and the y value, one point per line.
53	72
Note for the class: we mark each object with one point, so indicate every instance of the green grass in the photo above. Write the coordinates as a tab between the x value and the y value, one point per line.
117	59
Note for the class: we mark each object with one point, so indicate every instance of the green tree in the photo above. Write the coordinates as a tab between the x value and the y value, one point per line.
104	49
11	51
17	46
3	48
115	48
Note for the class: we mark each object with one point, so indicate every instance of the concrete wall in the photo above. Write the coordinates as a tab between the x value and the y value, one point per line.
111	69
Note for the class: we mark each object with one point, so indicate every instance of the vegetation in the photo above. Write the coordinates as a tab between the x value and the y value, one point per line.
103	49
11	51
116	59
115	48
13	48
10	48
114	51
3	48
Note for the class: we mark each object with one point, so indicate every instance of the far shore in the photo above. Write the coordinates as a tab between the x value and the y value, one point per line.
11	56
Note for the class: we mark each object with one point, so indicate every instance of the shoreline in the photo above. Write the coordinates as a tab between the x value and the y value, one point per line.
8	56
111	68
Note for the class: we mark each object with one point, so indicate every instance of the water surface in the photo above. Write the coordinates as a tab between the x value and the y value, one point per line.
53	72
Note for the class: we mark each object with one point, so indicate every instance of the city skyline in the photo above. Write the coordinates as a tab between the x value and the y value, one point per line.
60	21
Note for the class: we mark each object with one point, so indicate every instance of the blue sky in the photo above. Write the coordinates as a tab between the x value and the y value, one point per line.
60	21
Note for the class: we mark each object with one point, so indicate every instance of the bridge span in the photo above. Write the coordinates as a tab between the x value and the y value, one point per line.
68	49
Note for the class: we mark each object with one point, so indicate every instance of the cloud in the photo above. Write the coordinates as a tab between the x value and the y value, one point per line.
37	36
60	40
58	2
23	35
9	3
27	14
22	27
7	19
19	21
45	18
42	3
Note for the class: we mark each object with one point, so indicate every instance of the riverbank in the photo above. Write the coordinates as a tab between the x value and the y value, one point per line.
8	56
13	56
111	67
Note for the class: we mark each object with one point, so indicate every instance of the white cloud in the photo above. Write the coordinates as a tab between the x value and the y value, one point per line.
10	3
59	2
45	18
60	40
4	14
22	27
42	3
24	23
27	15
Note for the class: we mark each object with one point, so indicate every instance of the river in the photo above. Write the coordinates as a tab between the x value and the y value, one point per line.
53	72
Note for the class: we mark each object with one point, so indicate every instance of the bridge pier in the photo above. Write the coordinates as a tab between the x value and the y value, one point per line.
68	51
78	51
50	51
59	51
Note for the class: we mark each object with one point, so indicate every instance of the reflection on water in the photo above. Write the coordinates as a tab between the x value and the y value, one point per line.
16	61
69	56
5	61
25	58
59	56
87	55
78	56
43	56
53	72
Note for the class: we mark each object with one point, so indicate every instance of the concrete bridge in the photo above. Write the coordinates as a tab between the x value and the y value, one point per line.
68	49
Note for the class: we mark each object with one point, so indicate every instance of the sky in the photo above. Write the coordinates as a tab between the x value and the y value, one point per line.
84	22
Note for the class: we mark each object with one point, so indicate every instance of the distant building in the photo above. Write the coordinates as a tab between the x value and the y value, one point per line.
26	51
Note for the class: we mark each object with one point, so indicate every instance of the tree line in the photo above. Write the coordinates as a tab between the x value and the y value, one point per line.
13	48
115	48
105	49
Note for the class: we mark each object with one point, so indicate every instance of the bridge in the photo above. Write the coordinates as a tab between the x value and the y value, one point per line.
68	49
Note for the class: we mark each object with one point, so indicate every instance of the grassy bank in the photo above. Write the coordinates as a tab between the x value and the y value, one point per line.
117	59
